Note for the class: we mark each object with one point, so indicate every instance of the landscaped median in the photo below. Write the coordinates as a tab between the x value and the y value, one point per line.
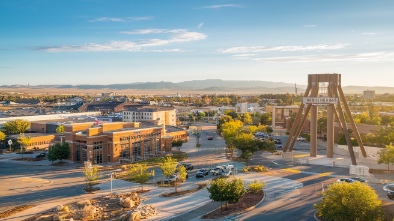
237	200
247	203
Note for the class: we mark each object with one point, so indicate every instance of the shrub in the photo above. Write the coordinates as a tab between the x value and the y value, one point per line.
246	169
259	168
256	186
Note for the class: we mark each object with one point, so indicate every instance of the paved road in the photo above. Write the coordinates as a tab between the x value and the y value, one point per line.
28	184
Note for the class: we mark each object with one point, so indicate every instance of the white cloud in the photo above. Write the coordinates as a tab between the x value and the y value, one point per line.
369	33
377	56
140	18
143	31
254	49
310	26
200	25
243	55
223	6
108	19
176	36
125	19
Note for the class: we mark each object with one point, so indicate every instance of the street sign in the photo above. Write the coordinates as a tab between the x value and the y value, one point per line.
320	100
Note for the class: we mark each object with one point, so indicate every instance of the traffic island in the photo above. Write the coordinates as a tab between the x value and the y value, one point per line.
184	192
248	202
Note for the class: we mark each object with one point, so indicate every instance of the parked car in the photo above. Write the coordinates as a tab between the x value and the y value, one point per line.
279	147
209	137
188	166
277	141
358	179
201	173
225	173
41	156
171	179
390	194
228	167
345	180
301	138
217	170
204	171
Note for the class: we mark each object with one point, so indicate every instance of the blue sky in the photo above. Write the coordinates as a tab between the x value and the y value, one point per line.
125	41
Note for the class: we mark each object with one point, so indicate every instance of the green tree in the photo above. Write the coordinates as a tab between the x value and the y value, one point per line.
60	129
247	119
322	125
217	191
266	119
386	156
178	144
16	126
168	166
230	131
138	173
91	175
59	152
182	172
224	190
2	136
235	190
24	142
345	201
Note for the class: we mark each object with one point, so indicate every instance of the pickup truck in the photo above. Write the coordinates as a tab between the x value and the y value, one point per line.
228	167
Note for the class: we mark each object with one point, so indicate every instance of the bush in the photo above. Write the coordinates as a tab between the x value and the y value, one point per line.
259	168
256	186
246	169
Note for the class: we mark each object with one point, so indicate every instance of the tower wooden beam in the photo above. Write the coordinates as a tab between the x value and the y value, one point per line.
296	121
354	127
346	131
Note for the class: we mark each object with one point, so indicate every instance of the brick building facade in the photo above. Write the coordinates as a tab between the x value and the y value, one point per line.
117	142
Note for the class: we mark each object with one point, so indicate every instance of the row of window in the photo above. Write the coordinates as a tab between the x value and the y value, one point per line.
39	143
137	113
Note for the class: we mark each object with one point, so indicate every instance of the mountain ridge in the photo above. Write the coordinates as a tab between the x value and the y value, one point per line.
207	85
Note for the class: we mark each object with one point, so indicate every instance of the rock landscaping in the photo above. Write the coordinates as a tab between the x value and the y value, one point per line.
119	207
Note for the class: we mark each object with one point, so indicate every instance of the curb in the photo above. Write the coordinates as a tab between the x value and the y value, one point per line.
236	214
316	217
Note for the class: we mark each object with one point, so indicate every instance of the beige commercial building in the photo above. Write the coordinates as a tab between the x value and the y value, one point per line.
157	115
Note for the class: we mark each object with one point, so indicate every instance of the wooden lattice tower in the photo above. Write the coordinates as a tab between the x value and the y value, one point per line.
336	108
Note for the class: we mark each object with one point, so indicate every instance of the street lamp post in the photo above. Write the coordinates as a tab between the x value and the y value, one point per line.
10	143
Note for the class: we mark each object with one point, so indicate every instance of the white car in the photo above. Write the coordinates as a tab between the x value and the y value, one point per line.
228	167
301	138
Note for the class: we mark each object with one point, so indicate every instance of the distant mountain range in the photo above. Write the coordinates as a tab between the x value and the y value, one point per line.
209	85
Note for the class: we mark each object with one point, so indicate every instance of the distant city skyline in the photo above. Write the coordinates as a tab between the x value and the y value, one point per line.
126	41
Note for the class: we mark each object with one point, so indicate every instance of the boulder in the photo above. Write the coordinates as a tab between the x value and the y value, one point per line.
59	207
89	211
147	211
135	216
126	202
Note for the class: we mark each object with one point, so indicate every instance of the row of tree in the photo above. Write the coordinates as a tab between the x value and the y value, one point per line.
231	190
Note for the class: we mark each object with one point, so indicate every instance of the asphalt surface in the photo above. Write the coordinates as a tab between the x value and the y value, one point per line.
27	184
